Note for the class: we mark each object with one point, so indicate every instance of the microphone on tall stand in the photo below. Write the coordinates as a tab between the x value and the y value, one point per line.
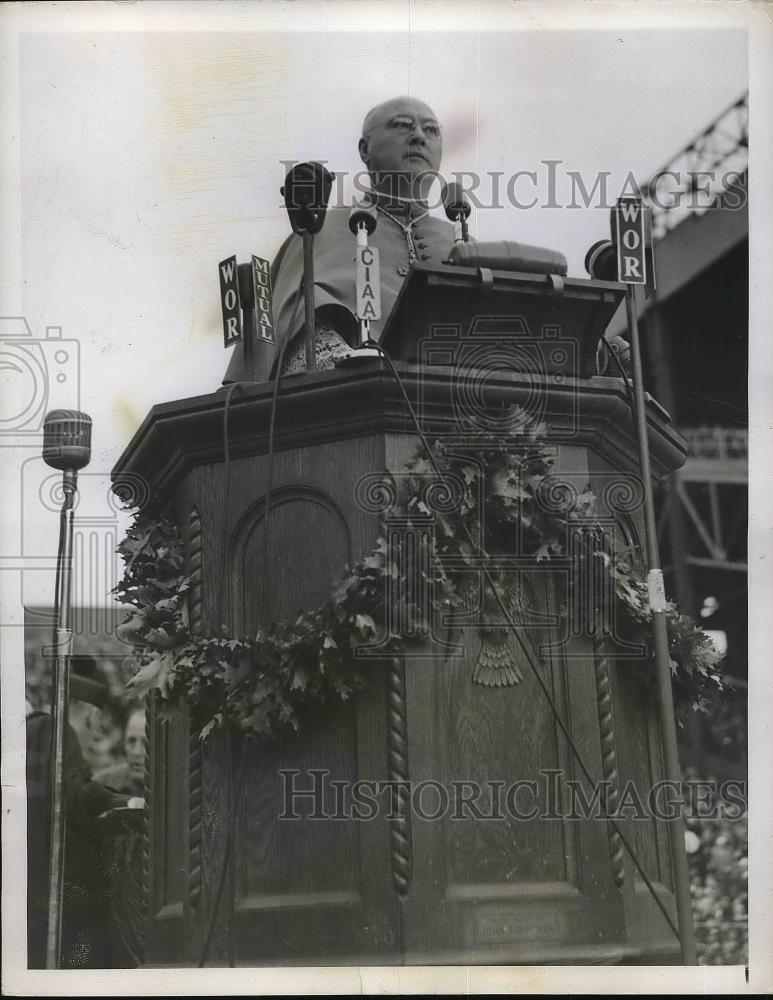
306	192
457	209
67	447
363	220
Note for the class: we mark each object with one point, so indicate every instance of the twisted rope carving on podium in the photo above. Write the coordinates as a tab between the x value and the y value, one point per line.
194	747
397	768
194	819
145	897
608	757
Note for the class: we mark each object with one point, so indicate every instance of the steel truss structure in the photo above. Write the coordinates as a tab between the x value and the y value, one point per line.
693	180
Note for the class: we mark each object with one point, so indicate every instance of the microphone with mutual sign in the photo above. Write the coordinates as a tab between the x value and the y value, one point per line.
457	210
67	447
306	193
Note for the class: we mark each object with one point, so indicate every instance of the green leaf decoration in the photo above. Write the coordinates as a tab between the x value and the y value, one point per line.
494	493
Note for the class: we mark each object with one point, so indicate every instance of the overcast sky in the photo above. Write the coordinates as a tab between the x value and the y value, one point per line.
141	144
145	157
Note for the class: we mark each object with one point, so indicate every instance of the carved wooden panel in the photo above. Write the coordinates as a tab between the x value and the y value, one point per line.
167	874
502	734
211	919
306	886
532	891
309	546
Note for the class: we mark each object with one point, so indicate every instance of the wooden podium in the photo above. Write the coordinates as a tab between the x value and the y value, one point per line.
405	889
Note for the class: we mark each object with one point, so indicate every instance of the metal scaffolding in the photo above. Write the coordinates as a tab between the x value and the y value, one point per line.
699	218
711	491
703	172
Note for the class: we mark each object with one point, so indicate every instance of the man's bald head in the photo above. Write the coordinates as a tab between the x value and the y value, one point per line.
396	105
402	135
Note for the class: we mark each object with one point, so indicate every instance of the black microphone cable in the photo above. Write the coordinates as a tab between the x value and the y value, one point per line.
527	653
612	352
219	603
236	778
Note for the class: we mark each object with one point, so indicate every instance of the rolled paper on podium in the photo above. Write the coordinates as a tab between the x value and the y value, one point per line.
504	255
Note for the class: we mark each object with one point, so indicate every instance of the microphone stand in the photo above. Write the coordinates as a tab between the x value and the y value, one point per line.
249	319
660	635
362	241
308	299
306	192
60	689
362	222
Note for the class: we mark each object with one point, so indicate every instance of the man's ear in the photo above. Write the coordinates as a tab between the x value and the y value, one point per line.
363	148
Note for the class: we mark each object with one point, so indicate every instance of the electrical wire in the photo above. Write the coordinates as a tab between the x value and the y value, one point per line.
236	778
611	351
527	653
233	783
231	796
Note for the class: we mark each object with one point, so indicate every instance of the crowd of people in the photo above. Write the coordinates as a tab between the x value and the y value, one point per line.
103	778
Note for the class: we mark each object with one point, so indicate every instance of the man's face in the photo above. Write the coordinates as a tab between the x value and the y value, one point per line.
134	743
404	137
85	719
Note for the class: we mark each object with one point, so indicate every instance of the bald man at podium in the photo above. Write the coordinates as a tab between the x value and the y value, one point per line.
401	146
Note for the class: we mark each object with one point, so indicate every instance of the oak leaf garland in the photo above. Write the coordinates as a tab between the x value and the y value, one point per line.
261	684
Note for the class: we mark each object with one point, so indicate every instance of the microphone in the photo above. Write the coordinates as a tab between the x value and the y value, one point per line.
601	261
306	192
67	440
364	214
67	447
601	264
601	258
363	220
457	209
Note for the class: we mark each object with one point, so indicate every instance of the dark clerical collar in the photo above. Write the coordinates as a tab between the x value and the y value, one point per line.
402	208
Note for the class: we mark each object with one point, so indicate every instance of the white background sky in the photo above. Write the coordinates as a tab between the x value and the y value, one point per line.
146	156
141	144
